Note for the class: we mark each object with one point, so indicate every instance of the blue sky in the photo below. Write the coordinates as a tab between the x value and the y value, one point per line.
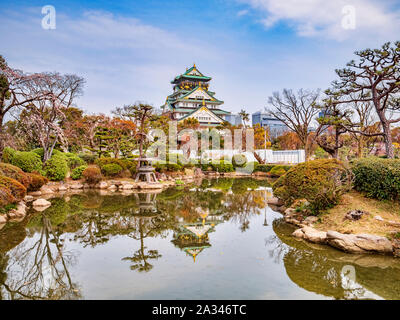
130	50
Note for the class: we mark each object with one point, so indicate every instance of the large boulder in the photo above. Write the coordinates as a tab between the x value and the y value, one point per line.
359	243
310	234
41	203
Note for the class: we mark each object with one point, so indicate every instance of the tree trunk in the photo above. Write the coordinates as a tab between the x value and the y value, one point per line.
388	140
2	144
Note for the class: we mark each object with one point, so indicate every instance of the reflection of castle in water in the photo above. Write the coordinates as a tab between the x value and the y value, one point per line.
192	238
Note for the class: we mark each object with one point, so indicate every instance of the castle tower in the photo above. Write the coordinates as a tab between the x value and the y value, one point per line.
191	98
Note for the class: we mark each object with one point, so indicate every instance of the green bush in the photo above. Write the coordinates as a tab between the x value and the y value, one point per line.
222	166
8	170
92	175
74	161
239	160
111	170
321	182
27	161
377	177
8	154
76	174
264	167
162	166
56	168
279	170
89	158
108	160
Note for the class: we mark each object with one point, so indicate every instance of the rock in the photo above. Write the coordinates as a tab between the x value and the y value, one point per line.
29	198
18	213
150	185
310	234
62	188
379	218
41	203
393	223
275	201
127	186
3	218
103	185
310	220
35	193
46	190
113	187
396	247
359	243
260	174
189	172
355	215
76	186
198	172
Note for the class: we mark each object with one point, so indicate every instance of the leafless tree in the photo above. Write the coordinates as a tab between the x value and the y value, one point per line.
17	89
296	111
42	117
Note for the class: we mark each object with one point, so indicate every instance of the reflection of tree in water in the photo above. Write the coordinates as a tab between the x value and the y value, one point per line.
141	257
38	269
320	269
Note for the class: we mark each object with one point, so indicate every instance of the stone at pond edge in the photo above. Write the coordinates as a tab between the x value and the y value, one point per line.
41	203
310	234
275	201
359	243
3	219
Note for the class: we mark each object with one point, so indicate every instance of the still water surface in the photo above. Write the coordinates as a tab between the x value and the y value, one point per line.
215	239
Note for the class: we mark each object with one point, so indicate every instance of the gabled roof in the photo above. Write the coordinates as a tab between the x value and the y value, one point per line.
198	109
192	73
193	70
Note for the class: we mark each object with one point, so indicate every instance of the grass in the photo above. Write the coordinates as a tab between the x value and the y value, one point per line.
333	219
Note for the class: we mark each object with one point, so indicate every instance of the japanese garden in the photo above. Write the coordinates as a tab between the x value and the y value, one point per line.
189	200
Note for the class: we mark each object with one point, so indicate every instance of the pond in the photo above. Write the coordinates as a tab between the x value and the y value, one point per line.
215	239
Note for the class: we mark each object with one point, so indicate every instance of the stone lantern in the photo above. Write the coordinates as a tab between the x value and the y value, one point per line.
145	171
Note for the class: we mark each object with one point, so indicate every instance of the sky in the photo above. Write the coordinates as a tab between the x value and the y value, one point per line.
129	51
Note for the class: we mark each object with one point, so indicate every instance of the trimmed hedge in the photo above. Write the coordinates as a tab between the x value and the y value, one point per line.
264	167
37	181
8	170
321	182
222	166
92	175
239	160
73	160
76	174
17	190
162	166
89	158
8	154
111	169
377	177
56	168
27	161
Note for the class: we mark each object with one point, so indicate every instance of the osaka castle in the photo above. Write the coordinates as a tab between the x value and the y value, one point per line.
192	99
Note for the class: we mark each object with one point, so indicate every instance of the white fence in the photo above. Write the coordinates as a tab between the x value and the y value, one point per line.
267	155
284	156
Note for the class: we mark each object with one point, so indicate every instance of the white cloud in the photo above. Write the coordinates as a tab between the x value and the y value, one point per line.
242	13
122	59
324	18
